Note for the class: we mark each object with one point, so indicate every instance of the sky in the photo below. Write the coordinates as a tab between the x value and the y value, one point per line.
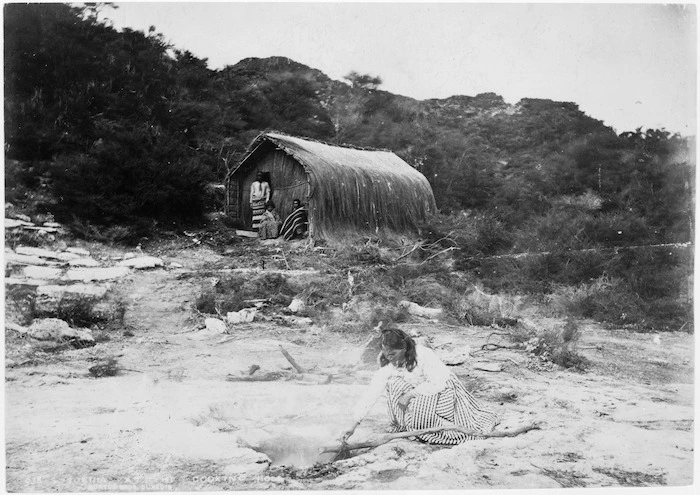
629	65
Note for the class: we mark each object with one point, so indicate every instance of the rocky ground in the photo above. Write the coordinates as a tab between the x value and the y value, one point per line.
168	418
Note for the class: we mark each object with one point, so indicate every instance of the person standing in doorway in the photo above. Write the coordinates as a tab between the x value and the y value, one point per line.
259	196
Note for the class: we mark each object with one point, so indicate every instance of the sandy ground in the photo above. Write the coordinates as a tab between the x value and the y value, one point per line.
171	420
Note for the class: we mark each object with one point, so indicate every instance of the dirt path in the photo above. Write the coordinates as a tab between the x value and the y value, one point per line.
174	423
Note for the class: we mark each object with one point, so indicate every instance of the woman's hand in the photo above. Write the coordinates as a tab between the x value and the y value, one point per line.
348	433
405	399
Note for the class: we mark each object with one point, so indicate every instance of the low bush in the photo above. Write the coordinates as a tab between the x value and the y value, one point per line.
20	302
558	346
234	292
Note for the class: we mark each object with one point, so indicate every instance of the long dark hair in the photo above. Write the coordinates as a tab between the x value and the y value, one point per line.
393	338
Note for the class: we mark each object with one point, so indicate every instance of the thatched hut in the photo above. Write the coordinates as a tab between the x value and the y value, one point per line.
347	190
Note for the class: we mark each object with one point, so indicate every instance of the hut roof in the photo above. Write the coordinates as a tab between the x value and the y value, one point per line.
372	188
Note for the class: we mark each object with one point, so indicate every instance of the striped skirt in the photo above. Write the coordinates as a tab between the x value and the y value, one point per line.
454	405
258	207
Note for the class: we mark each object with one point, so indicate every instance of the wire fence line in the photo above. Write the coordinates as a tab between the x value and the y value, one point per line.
614	250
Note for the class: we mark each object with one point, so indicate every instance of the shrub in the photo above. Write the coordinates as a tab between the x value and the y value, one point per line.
231	293
21	237
22	301
129	178
558	346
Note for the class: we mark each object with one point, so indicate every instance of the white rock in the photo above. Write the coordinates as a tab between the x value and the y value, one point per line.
23	217
78	251
215	325
417	310
90	274
55	329
128	256
243	316
175	265
46	253
42	272
23	259
67	256
52	224
296	305
86	262
11	223
35	251
142	262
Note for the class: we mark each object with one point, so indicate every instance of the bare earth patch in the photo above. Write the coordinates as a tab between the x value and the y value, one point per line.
169	420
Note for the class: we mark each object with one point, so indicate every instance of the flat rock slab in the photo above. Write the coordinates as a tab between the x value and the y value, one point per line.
33	282
85	262
142	262
35	251
23	259
91	274
42	272
78	251
11	223
78	290
45	253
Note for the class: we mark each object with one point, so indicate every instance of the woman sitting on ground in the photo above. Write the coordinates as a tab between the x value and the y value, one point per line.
421	393
269	223
297	223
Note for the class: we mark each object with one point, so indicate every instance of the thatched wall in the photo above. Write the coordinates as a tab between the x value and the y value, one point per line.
350	190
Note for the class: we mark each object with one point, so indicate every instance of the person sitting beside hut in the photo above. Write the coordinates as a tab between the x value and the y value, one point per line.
421	393
259	196
297	222
270	223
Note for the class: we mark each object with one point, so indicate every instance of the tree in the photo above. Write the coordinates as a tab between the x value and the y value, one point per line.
364	81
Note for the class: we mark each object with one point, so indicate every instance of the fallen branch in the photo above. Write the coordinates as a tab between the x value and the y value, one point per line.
285	260
494	347
438	254
291	361
267	377
408	253
406	434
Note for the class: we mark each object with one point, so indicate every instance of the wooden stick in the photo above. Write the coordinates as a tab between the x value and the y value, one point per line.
438	254
285	260
405	434
406	254
291	361
267	377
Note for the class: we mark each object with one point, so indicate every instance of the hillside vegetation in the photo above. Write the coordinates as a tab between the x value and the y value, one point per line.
117	135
